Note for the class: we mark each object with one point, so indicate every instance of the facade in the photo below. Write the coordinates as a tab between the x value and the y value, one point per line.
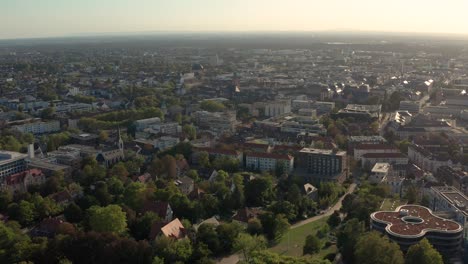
370	159
39	127
409	224
11	163
277	108
268	161
427	160
22	180
411	106
362	149
324	165
380	172
450	199
218	122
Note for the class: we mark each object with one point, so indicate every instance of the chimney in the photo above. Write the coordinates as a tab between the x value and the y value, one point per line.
31	151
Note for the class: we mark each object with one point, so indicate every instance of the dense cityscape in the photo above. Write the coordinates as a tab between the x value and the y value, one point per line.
234	149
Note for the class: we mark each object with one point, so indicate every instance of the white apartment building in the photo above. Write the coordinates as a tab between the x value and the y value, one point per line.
268	161
41	127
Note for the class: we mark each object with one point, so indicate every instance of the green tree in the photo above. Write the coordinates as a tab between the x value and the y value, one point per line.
228	232
254	226
274	226
312	245
142	226
347	236
120	171
335	219
423	253
107	219
190	131
372	248
203	159
259	191
103	136
247	244
135	195
207	234
212	106
173	251
73	213
24	212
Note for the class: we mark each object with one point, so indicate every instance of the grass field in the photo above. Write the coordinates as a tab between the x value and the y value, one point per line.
292	242
390	204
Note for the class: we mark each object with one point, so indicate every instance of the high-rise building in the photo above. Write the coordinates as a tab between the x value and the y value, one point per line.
323	164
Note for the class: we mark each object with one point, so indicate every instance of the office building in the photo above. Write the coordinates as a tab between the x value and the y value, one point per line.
11	163
409	224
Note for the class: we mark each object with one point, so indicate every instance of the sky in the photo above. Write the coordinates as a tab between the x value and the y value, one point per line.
56	18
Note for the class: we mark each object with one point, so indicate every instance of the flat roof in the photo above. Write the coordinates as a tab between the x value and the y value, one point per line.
10	156
414	221
381	167
453	196
323	151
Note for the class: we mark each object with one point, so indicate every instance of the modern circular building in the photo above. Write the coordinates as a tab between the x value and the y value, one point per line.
408	224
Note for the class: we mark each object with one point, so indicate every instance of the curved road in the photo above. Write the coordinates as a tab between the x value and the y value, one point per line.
234	258
329	212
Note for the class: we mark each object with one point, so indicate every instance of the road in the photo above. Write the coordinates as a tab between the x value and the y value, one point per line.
234	258
330	211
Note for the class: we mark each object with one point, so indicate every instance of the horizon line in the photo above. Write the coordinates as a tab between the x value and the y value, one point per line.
181	32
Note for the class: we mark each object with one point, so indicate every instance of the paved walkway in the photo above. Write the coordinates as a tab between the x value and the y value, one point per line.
233	259
329	212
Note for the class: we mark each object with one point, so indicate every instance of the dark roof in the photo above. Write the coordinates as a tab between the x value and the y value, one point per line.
246	213
158	207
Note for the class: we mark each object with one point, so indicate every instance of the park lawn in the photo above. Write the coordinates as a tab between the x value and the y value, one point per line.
296	238
390	204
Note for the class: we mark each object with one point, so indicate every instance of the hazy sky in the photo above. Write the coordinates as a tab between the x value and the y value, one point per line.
43	18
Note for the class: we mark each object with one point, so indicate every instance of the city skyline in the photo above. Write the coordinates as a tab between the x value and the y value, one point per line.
52	18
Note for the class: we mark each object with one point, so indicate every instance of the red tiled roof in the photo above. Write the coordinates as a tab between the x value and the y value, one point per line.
174	229
19	177
399	224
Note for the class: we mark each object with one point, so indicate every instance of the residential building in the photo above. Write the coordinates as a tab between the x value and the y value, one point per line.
217	122
22	180
277	108
268	161
408	224
370	159
362	149
379	173
324	165
41	127
426	159
411	106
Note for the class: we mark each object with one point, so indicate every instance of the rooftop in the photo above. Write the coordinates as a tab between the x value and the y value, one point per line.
381	167
10	156
453	196
323	151
414	221
375	146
